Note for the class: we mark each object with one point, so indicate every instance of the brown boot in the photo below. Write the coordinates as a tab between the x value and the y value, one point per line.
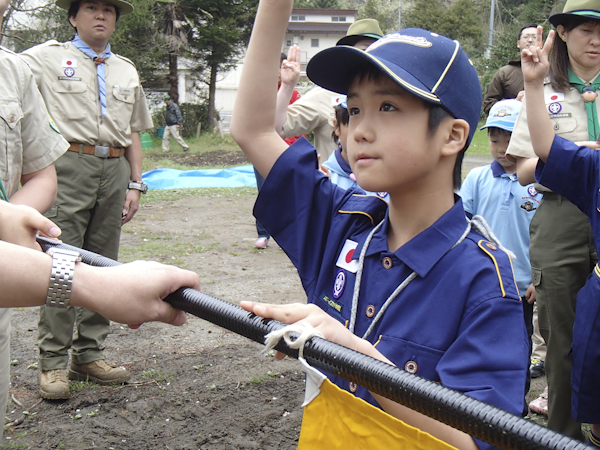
99	372
54	384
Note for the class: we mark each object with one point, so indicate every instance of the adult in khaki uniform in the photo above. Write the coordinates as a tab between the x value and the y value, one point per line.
29	145
98	103
314	110
562	246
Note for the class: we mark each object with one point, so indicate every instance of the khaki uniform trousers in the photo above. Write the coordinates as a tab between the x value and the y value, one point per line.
562	255
172	130
88	210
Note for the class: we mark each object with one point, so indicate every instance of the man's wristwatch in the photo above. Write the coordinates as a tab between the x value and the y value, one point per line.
61	277
139	185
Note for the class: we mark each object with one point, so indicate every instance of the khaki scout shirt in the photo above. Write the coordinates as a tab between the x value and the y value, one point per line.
28	139
68	82
568	116
313	112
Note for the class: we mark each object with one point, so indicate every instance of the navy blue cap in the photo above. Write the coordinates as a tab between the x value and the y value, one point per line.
428	65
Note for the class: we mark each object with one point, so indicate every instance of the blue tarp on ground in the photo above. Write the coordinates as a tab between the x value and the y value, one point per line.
174	179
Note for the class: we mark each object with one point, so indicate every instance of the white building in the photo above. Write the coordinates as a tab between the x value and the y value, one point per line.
311	29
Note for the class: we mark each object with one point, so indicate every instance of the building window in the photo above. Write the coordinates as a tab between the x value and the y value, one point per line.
298	19
288	43
314	43
338	18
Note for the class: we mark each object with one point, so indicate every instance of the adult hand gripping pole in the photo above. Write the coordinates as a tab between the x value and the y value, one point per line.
480	420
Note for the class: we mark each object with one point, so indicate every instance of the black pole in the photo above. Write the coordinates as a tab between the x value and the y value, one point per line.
476	418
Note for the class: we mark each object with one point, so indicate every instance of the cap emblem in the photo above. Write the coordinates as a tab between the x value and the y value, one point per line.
417	41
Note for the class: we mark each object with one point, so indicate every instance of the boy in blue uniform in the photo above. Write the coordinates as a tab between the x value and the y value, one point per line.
572	170
410	284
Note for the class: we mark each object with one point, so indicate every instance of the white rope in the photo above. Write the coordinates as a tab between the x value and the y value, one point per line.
479	224
303	329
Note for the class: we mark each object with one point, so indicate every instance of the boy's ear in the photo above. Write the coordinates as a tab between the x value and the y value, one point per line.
456	137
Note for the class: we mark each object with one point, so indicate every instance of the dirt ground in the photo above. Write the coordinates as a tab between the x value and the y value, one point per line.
193	387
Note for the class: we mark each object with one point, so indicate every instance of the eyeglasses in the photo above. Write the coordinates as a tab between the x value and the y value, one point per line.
529	37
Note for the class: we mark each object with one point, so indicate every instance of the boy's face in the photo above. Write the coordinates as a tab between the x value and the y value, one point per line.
389	147
499	140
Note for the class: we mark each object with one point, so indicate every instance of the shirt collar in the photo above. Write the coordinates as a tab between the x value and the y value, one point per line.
497	169
423	251
341	161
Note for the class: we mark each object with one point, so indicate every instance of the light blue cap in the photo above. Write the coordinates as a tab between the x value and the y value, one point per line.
503	115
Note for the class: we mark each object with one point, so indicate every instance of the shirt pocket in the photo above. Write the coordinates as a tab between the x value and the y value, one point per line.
410	356
121	108
70	101
563	125
11	146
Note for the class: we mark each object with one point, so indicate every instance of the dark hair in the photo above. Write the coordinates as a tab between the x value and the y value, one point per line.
527	25
342	117
495	131
559	61
282	57
437	114
74	9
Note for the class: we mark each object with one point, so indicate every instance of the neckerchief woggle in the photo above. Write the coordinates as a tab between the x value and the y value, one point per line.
100	67
588	93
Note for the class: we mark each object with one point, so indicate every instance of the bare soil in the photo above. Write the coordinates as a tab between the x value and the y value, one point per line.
193	387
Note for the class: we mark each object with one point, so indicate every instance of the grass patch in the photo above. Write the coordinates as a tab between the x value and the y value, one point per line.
165	195
77	386
157	375
480	145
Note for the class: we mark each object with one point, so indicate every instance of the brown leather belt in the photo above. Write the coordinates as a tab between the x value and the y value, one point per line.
101	151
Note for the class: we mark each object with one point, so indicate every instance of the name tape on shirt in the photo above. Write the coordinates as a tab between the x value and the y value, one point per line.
68	62
345	260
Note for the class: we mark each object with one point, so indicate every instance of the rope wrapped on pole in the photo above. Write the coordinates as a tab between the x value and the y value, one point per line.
476	418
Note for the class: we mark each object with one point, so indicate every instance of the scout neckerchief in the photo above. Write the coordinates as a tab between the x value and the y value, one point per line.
100	67
477	222
3	195
588	93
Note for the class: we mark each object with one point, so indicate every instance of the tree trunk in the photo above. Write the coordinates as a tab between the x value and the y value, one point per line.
212	89
173	78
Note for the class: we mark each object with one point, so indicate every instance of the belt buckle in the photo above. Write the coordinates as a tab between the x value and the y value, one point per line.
101	151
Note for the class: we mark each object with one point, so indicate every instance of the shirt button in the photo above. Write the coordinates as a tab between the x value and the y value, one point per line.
353	387
11	118
387	262
68	88
491	246
410	367
556	126
370	311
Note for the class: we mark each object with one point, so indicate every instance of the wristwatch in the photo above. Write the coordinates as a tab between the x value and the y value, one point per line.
61	277
139	185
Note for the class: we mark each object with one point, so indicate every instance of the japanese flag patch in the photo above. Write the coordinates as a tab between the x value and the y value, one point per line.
68	62
345	260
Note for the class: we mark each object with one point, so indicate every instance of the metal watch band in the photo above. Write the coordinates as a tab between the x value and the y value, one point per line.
138	185
61	277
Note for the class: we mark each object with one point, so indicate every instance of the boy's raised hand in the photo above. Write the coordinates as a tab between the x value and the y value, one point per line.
534	60
290	68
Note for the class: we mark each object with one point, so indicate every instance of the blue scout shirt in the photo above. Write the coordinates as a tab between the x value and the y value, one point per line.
459	322
574	172
508	208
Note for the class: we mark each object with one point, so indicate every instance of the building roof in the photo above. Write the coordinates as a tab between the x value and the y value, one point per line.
324	11
318	27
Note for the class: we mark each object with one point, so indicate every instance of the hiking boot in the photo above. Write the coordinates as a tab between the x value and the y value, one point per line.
54	384
537	369
99	372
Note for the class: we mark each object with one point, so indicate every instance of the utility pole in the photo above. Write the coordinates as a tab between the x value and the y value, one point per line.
488	50
399	14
